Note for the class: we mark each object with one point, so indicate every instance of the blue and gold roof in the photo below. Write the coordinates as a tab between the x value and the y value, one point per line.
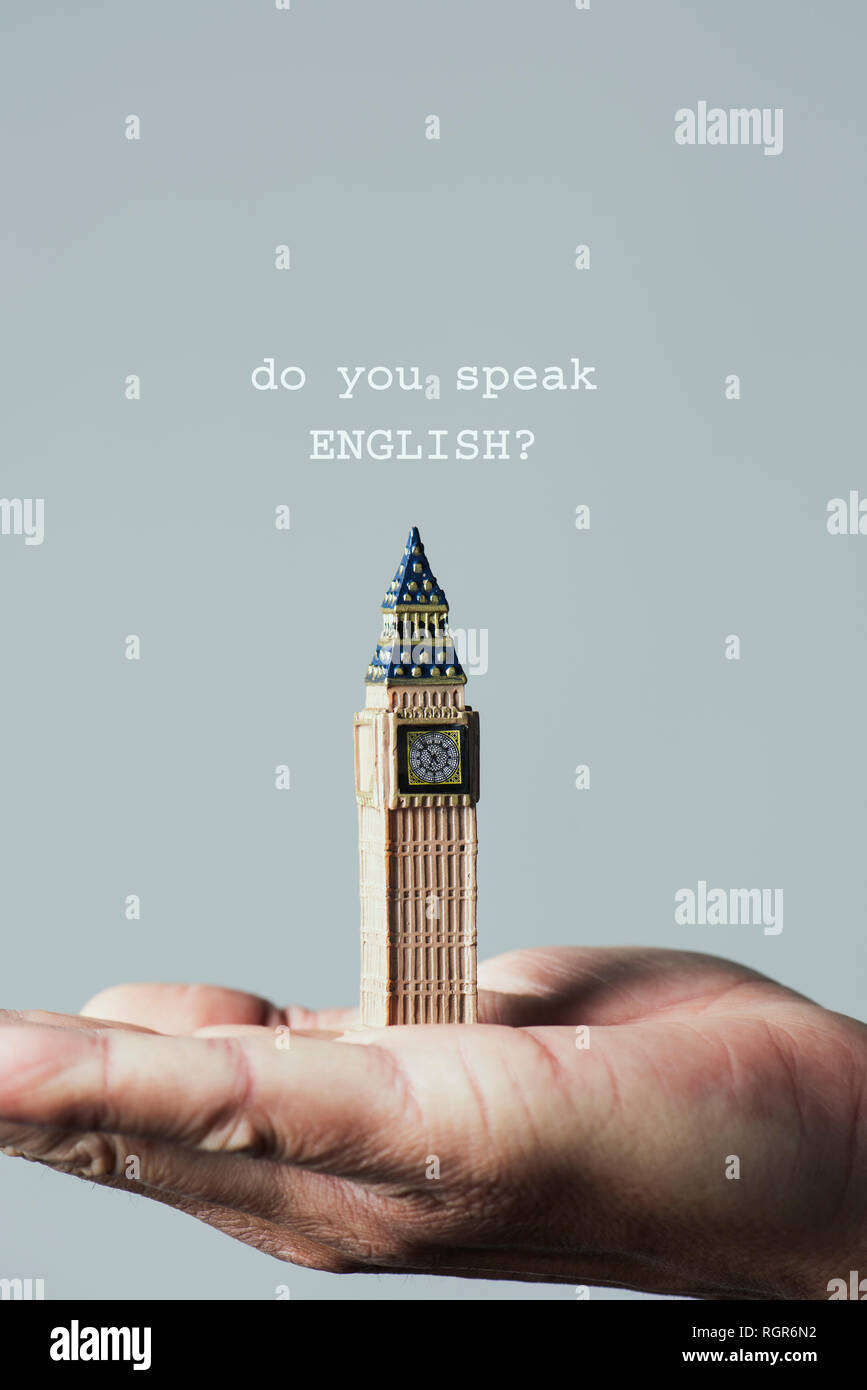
415	644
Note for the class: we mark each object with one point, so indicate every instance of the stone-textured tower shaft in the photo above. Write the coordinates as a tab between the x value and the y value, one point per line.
417	787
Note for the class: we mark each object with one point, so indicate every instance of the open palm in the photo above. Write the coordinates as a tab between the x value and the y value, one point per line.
658	1120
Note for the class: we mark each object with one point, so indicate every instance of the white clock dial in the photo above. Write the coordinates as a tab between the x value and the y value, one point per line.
434	757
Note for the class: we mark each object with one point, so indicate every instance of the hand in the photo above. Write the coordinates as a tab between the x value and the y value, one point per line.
603	1164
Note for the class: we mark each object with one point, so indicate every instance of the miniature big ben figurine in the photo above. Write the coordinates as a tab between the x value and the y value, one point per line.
417	784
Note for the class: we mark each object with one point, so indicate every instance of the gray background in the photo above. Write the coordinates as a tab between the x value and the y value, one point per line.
708	516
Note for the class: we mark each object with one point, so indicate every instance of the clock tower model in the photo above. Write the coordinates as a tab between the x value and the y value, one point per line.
417	784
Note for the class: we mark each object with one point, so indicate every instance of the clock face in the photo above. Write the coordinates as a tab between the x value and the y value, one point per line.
434	757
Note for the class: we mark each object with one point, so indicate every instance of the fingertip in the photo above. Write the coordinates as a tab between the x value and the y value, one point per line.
109	1004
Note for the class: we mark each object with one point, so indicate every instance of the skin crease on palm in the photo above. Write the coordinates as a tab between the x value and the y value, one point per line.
602	1164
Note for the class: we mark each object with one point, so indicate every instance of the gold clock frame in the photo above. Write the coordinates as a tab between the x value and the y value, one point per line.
455	737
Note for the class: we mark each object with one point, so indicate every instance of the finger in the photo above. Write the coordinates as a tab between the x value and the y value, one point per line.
339	1109
276	1037
272	1238
235	1197
325	1020
177	1008
182	1009
255	1187
13	1016
355	1221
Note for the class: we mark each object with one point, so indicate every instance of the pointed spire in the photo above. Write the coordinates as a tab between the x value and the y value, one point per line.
415	644
414	583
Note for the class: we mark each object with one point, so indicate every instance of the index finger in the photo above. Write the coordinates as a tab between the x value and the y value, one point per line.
340	1110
